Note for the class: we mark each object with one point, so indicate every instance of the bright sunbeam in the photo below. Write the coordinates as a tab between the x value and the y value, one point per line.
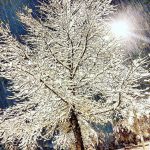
140	37
120	28
124	29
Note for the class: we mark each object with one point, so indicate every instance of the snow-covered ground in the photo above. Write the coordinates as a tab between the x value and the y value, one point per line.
137	147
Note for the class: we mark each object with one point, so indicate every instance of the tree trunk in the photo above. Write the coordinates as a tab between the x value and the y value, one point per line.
76	130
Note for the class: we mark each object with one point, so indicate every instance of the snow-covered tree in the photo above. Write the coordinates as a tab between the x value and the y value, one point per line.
137	101
68	56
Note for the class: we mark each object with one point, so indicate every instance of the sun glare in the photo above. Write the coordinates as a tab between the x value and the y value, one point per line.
120	28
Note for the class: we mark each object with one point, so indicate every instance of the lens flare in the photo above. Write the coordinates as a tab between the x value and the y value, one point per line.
120	28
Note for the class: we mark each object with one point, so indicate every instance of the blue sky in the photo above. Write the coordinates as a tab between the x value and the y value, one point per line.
8	10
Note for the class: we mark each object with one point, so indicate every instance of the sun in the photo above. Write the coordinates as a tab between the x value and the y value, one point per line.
120	28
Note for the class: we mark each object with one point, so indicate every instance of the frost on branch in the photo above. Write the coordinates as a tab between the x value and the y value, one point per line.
68	56
137	89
